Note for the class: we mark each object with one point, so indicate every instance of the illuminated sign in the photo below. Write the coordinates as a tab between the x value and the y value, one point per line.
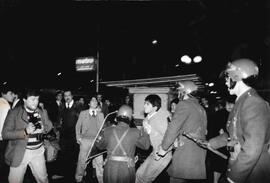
85	64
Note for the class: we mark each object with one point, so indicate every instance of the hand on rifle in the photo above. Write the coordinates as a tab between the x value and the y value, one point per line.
203	143
160	153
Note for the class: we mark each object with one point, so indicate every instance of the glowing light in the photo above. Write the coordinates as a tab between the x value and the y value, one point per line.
58	74
211	84
186	59
154	41
197	59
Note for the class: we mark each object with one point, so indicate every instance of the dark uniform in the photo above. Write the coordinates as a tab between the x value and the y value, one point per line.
249	126
120	142
188	160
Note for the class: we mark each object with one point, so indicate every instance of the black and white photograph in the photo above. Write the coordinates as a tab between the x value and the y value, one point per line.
135	91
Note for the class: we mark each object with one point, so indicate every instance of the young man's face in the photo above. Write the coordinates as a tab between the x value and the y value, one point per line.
99	98
93	103
59	96
148	107
68	96
31	102
9	96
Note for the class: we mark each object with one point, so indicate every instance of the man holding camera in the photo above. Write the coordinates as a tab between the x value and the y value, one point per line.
25	128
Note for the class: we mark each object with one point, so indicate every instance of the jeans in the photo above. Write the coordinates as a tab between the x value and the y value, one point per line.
151	168
36	160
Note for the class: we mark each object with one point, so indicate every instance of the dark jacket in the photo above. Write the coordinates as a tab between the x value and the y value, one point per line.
69	118
188	160
249	124
13	130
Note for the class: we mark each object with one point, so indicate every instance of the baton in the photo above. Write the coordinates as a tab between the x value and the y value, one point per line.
97	154
199	143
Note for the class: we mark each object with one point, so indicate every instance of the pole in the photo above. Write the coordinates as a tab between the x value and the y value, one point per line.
97	61
97	73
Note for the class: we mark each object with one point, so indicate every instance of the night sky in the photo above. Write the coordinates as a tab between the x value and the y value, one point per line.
39	40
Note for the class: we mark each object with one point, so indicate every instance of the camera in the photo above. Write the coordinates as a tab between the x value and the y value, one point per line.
230	148
35	119
51	136
231	144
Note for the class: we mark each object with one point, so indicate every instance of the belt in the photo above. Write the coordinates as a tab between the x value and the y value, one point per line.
120	158
127	159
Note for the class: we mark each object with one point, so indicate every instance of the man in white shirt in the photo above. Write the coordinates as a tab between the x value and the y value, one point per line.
155	124
87	128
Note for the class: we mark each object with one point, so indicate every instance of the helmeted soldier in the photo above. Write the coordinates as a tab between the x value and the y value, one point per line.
248	126
120	141
188	161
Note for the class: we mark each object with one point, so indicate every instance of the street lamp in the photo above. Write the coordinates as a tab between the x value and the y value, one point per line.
197	59
187	60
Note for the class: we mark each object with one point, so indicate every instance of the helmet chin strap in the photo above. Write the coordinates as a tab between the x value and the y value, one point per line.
232	84
190	95
181	95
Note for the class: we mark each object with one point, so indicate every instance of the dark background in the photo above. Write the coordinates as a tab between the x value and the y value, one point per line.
39	39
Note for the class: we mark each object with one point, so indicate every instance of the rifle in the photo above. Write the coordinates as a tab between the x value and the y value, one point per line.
204	144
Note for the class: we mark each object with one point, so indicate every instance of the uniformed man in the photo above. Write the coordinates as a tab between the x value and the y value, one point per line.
248	127
120	142
188	161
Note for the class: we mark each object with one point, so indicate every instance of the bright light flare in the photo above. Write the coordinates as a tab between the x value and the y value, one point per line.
197	59
186	59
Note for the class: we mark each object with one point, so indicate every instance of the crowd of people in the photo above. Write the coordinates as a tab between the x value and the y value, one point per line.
190	142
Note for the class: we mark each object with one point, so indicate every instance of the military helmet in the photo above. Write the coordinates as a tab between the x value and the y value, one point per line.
187	87
125	111
241	69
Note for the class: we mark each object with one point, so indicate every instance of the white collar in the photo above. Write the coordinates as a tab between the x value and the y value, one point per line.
242	92
91	111
15	102
151	115
70	104
58	102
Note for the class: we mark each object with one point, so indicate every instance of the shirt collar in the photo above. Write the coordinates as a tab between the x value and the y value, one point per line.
58	102
151	115
70	104
91	111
